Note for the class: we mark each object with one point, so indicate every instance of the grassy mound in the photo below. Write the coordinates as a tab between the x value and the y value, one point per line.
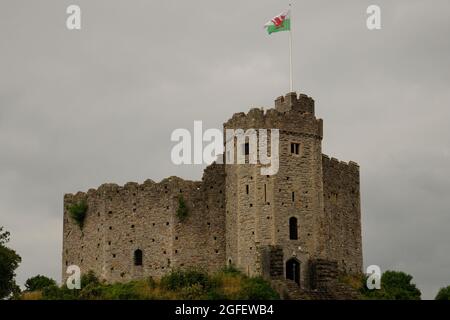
179	284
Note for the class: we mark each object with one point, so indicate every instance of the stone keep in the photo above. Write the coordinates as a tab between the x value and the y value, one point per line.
275	225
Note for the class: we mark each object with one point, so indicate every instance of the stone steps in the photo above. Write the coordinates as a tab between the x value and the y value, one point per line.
289	290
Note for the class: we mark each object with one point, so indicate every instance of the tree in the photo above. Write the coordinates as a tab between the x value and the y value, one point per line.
38	283
443	294
9	261
395	285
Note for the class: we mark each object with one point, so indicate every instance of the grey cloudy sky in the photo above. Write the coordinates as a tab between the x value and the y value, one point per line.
80	108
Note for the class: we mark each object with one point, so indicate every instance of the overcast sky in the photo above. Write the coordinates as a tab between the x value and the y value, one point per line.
81	108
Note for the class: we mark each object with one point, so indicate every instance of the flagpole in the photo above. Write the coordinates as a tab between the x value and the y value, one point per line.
291	83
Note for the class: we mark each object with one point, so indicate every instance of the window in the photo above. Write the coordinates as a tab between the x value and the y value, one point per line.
246	148
293	235
295	148
138	257
246	188
293	196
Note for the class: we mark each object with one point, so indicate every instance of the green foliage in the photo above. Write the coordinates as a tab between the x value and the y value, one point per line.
60	293
257	289
182	211
123	291
4	236
443	294
230	269
89	279
151	282
91	288
78	212
395	285
38	283
188	284
9	261
194	292
184	278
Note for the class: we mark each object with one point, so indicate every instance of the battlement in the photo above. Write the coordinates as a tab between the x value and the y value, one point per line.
309	210
342	207
336	164
149	186
166	185
122	219
290	114
291	101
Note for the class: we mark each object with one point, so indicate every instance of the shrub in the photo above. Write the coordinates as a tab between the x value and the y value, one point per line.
443	294
38	283
182	211
227	285
91	291
184	278
59	293
188	284
193	292
151	282
257	289
122	291
395	285
230	269
9	261
78	212
89	278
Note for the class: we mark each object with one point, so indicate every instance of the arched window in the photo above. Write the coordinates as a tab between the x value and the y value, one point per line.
293	234
138	257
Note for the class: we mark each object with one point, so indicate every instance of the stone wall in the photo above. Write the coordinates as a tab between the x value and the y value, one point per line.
236	215
343	211
259	207
121	220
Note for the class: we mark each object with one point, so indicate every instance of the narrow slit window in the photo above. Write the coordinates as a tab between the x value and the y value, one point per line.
138	257
293	232
246	189
246	148
295	148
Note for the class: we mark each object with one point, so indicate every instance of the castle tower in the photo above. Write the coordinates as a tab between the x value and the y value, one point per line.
284	210
301	222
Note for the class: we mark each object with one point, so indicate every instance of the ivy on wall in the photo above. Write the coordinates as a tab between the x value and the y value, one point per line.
78	212
182	211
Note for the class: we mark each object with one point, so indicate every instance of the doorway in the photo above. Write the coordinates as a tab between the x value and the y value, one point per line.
293	270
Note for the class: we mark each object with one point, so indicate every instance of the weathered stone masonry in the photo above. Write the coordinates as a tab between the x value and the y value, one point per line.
264	225
121	220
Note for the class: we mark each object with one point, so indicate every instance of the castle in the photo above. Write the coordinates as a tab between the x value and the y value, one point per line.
303	223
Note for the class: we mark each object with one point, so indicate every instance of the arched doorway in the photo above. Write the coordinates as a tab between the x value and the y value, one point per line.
293	270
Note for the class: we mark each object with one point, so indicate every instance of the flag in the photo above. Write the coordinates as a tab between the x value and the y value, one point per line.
281	22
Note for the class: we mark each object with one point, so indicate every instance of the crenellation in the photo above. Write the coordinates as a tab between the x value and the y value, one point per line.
308	211
342	206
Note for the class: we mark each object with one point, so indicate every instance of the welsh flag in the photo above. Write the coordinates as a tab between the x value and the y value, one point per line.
281	22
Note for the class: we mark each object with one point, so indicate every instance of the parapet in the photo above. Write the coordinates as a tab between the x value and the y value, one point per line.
290	101
213	174
291	113
334	163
